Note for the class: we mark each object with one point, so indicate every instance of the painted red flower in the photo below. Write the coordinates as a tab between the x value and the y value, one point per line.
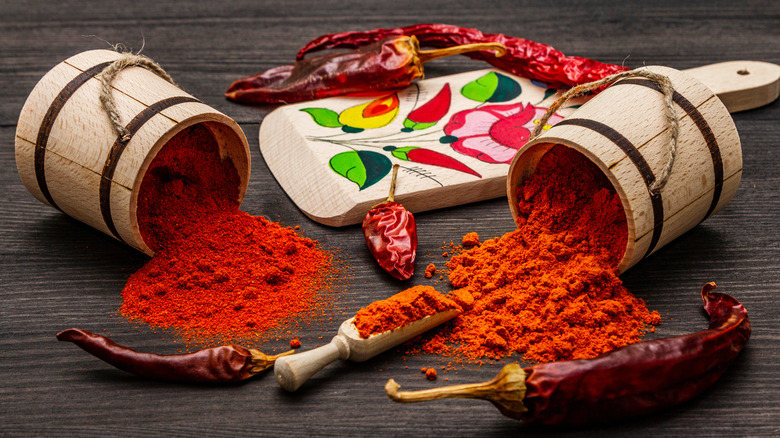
494	133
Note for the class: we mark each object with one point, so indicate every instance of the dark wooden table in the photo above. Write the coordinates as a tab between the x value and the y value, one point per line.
58	273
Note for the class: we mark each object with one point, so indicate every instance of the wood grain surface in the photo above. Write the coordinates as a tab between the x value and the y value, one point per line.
57	273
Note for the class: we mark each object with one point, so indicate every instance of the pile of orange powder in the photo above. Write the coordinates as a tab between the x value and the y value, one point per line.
548	290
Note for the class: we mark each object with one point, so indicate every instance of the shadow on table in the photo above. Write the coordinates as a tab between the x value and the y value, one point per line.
58	240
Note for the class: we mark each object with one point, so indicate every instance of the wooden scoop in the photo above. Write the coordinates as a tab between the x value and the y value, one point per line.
292	371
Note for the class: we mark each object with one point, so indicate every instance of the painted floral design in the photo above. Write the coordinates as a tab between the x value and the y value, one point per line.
370	115
494	133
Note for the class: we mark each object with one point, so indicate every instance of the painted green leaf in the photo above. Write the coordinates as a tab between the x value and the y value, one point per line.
492	87
410	125
506	90
351	130
481	88
324	117
400	153
363	168
447	139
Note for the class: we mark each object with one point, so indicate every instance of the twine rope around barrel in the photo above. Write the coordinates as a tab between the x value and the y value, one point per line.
666	88
108	75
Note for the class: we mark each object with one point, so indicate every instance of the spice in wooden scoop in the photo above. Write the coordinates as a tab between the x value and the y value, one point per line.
399	322
402	308
630	381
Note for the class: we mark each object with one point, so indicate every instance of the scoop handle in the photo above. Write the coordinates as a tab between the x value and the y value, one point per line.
292	371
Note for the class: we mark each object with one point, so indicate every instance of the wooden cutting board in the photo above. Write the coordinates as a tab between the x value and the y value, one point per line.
453	137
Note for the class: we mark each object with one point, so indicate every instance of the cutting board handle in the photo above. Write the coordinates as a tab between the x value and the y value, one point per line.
741	85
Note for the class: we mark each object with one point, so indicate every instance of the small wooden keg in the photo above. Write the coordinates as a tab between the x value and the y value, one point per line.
623	130
69	156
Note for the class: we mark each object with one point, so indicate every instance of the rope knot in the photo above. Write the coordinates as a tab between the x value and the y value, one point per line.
666	88
110	73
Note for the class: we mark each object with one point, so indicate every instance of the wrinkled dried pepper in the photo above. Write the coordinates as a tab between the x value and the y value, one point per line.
391	235
524	58
630	381
391	63
230	363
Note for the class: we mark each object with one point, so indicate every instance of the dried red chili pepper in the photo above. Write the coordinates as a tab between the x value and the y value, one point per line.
524	58
229	363
393	62
633	380
391	235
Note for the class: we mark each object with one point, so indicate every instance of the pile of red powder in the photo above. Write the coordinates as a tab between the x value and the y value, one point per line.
218	274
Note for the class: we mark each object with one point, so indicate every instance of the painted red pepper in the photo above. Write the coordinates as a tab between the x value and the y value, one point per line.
630	381
524	58
391	63
417	154
229	363
431	112
391	235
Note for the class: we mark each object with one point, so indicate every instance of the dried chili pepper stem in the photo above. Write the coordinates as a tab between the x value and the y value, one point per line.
261	361
506	391
393	179
429	55
630	381
391	234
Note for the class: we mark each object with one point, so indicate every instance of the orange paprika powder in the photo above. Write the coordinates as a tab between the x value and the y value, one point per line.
548	290
218	274
401	309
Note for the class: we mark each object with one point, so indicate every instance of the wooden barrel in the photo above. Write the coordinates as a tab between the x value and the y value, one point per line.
623	130
69	156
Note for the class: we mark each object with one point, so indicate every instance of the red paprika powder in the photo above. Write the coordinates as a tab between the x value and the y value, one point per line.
218	274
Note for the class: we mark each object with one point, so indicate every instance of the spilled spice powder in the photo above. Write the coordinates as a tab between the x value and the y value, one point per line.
429	270
548	290
218	274
402	308
470	239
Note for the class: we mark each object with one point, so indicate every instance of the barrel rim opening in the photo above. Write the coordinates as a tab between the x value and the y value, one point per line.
524	165
232	143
